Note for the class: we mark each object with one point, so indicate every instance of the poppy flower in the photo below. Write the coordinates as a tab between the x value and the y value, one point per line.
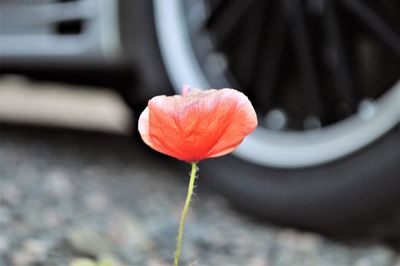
197	125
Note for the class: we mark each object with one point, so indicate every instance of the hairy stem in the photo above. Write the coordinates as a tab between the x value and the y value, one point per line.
184	213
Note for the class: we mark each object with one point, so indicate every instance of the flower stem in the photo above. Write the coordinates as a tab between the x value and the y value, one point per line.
184	213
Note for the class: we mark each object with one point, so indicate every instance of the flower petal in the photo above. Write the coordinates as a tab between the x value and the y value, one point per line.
199	125
143	126
241	122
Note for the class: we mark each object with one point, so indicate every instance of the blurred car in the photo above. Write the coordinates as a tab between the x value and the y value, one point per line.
323	75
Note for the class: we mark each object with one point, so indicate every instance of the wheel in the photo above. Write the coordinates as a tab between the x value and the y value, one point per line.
324	79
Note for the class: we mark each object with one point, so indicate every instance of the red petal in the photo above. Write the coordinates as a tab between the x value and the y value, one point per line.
199	125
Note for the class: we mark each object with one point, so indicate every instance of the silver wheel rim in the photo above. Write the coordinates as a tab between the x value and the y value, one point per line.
267	147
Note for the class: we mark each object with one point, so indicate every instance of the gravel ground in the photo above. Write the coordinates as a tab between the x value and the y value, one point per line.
67	194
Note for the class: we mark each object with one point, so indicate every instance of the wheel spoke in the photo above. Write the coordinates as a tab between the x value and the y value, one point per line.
341	68
302	46
270	56
248	55
374	22
216	12
226	17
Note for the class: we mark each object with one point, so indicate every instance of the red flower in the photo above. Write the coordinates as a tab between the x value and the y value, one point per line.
197	125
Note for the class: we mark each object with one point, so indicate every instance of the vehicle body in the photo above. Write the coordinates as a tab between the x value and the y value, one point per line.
324	77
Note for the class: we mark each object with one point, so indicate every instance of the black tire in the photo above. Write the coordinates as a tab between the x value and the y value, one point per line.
358	194
142	53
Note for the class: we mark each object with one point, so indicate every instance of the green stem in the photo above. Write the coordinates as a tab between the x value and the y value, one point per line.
184	213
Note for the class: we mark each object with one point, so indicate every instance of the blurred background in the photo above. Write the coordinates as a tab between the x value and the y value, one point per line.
317	183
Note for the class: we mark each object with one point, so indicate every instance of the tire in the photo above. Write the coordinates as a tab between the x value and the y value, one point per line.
356	192
355	195
142	54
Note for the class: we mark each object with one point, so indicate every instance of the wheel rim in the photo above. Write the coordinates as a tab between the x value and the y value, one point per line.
287	149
